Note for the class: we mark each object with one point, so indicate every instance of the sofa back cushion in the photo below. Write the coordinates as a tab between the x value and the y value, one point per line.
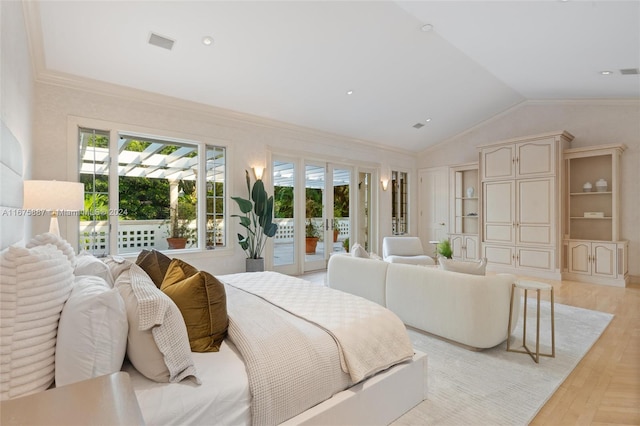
401	246
362	277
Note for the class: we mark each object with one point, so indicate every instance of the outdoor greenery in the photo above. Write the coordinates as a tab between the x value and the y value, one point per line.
283	202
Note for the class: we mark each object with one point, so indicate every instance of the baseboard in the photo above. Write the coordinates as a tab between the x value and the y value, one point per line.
634	279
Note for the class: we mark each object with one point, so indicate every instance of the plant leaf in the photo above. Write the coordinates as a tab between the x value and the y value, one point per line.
245	205
259	197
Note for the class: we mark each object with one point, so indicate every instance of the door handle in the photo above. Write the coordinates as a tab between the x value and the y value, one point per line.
441	224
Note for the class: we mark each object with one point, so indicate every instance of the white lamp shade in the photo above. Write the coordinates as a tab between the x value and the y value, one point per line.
53	195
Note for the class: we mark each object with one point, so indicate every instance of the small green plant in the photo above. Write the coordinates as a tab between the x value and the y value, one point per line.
311	231
444	249
345	244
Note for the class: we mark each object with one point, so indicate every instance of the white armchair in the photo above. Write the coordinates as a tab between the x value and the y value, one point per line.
405	250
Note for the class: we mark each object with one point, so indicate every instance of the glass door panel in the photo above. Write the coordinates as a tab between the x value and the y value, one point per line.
314	221
284	213
339	233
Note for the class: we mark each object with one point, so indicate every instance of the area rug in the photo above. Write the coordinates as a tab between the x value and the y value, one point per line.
495	387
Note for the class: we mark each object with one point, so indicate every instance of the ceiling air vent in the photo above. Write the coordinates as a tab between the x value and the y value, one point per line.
629	71
158	40
418	125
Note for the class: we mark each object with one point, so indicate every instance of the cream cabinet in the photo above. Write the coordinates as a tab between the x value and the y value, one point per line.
521	203
599	262
595	251
464	247
535	157
465	211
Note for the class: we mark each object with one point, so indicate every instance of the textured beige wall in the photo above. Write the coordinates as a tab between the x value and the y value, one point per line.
591	122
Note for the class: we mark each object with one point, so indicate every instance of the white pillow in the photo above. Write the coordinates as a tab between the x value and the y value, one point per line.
34	285
358	251
473	268
62	245
92	334
158	343
88	264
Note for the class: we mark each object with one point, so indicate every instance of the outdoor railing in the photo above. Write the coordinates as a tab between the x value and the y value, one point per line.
137	235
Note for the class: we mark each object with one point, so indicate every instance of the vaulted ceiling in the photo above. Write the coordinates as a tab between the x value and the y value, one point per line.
419	72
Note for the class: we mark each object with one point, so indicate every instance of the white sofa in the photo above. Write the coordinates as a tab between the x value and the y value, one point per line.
472	310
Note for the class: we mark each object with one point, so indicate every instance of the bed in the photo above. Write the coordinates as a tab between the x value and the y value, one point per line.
288	358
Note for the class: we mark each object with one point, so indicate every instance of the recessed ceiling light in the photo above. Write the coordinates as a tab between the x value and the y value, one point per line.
427	120
606	72
427	27
207	41
349	92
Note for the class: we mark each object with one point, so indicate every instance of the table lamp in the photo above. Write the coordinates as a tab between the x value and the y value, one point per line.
53	195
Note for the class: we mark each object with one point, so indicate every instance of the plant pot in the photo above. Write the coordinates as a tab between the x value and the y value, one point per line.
176	243
336	232
254	265
311	243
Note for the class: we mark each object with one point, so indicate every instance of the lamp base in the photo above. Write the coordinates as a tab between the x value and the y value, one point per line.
53	225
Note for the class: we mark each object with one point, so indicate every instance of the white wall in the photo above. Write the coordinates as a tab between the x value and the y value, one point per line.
16	105
249	140
591	122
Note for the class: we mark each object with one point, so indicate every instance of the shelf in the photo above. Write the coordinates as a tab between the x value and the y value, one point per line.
591	218
591	193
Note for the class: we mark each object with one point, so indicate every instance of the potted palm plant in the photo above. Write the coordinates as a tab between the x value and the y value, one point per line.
257	219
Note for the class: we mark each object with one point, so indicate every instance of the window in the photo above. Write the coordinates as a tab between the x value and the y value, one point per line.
152	194
399	202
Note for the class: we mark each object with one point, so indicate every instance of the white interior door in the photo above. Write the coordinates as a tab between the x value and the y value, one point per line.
434	206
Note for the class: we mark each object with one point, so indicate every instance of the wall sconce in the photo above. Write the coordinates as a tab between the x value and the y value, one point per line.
53	195
384	183
258	172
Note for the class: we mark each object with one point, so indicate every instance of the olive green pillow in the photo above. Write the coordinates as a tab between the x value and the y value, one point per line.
202	301
155	264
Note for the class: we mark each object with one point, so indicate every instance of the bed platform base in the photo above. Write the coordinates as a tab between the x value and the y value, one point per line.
379	400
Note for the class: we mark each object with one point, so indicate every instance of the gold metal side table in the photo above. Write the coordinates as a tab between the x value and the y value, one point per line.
537	287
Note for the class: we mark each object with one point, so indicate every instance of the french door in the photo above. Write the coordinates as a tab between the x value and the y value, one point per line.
312	207
327	212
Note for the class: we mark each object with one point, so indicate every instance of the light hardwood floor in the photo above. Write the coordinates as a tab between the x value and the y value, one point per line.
604	389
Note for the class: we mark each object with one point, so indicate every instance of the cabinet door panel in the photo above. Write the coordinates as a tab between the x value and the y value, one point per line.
535	211
498	163
604	261
457	243
499	211
499	255
534	258
579	256
471	250
535	158
535	235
